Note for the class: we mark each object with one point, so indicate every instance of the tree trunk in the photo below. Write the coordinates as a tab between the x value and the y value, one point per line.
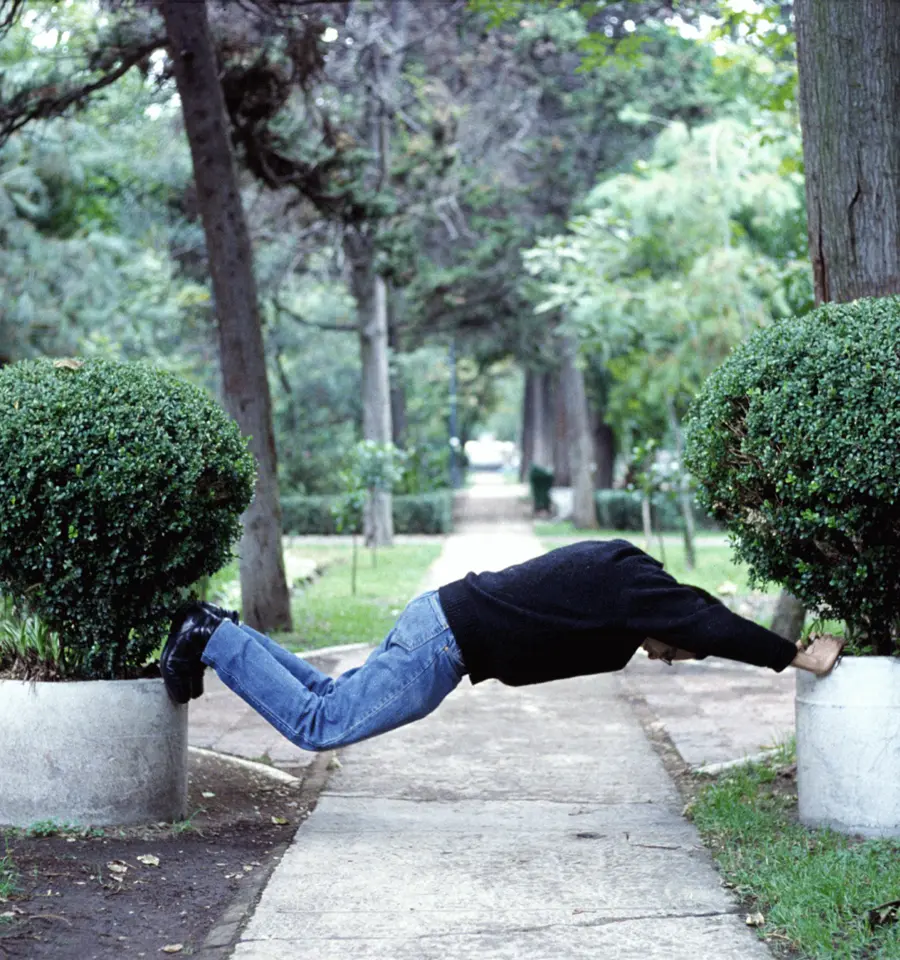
790	615
542	422
264	592
527	444
399	424
581	444
604	452
562	470
370	293
849	62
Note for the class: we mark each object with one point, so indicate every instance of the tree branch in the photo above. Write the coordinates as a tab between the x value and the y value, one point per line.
44	102
333	327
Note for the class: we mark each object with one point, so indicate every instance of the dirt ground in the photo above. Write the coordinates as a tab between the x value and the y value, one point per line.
149	892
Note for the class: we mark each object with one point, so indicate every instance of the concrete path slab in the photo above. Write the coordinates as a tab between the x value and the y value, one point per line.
535	824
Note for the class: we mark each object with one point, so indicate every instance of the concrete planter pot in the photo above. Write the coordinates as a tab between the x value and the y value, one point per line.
91	752
848	747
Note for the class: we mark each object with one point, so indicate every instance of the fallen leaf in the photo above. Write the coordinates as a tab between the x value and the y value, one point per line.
334	764
118	868
280	821
172	948
207	794
149	859
727	589
755	920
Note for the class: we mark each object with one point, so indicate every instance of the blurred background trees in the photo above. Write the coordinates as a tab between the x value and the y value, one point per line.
541	220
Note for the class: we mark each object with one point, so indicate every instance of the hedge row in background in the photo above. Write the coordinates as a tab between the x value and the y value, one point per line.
621	510
413	513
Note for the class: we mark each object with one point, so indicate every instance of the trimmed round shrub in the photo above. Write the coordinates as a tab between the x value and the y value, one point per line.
120	486
795	444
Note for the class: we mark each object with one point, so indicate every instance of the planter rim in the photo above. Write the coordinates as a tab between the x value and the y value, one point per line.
75	683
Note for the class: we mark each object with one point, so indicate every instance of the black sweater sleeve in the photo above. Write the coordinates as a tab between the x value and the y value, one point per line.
658	606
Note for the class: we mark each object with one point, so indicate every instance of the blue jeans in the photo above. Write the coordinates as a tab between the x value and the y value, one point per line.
403	680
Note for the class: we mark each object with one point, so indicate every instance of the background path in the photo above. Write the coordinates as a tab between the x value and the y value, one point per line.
529	823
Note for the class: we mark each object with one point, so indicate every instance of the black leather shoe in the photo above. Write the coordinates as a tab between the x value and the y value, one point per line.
221	612
180	663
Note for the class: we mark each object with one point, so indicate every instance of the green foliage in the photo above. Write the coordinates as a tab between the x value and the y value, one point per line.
676	262
9	876
794	446
120	486
621	510
430	513
29	644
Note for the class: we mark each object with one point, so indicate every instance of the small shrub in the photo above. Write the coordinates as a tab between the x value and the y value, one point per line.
795	445
120	486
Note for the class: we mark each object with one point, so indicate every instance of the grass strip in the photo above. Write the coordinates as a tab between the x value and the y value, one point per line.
814	889
327	612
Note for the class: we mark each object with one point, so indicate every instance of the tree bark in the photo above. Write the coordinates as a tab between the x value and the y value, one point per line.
264	592
562	470
399	423
790	615
370	292
542	442
527	440
849	85
604	452
581	444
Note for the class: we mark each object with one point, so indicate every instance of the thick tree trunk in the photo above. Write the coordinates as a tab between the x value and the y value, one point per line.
264	592
581	443
562	469
370	292
849	62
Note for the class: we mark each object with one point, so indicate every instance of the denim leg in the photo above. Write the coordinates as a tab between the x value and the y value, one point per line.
403	680
307	674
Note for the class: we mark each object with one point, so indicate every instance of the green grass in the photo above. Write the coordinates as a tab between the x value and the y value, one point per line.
814	888
715	565
327	613
9	877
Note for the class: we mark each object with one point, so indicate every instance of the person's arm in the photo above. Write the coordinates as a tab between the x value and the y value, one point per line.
659	607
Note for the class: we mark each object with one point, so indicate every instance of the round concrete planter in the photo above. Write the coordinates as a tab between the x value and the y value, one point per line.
848	747
95	752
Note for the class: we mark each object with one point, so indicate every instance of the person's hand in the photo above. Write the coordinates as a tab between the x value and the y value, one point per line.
657	650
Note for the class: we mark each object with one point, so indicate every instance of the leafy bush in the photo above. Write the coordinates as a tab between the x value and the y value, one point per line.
413	513
795	444
621	510
120	486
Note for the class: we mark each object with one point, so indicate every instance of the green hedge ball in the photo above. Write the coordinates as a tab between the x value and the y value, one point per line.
120	486
795	444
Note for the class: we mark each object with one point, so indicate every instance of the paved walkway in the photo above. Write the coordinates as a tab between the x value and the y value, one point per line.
534	823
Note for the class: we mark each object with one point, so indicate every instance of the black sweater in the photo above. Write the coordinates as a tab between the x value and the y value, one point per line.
586	608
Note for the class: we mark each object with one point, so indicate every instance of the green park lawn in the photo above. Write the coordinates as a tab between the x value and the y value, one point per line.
809	892
325	611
